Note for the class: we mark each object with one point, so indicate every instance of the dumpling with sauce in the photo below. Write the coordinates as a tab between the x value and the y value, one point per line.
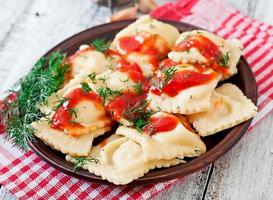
75	115
229	108
183	89
126	77
120	160
61	141
203	47
165	137
88	60
145	42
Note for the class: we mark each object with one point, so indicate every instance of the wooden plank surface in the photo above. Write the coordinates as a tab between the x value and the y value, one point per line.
246	172
29	28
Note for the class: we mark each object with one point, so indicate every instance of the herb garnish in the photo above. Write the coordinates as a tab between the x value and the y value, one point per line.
139	114
103	79
168	74
100	44
81	161
60	103
44	79
73	112
85	87
224	60
107	93
92	77
140	124
138	88
125	80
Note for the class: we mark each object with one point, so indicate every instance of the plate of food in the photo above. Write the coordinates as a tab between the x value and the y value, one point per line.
134	102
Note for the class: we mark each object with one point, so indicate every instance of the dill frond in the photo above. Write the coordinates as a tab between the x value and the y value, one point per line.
85	87
168	74
224	60
92	77
107	93
81	161
45	78
138	88
100	44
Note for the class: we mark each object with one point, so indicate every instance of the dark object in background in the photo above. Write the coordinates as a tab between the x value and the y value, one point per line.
111	3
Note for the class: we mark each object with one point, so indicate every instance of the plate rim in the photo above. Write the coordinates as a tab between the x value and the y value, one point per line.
192	166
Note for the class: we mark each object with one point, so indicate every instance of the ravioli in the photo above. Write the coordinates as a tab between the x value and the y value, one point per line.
145	42
229	108
193	99
61	141
215	51
150	25
166	144
126	77
69	109
120	160
87	60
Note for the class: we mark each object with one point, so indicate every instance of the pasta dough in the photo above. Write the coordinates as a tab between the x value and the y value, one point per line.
152	26
59	140
120	160
229	108
87	60
179	142
88	121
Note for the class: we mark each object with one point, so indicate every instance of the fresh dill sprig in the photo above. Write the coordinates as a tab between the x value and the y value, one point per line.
92	77
168	74
73	112
100	44
140	124
60	103
85	87
45	78
125	80
103	79
138	88
107	93
139	107
139	114
81	161
224	59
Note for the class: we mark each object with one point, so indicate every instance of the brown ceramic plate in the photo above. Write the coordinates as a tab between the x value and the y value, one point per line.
217	145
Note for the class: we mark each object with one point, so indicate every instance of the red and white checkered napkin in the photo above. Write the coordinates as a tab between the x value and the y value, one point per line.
26	176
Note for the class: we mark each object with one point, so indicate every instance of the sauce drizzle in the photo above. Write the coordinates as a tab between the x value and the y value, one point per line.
207	48
62	119
182	80
164	123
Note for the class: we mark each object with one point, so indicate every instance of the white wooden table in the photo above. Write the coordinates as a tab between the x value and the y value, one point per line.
29	28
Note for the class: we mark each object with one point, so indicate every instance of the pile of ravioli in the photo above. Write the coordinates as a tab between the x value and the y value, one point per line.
159	86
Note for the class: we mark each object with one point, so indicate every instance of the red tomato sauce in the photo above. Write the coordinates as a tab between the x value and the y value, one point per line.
62	119
135	73
144	43
182	80
167	63
206	47
4	106
121	104
161	124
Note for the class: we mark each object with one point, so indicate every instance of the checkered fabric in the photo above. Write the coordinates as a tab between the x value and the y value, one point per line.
28	177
